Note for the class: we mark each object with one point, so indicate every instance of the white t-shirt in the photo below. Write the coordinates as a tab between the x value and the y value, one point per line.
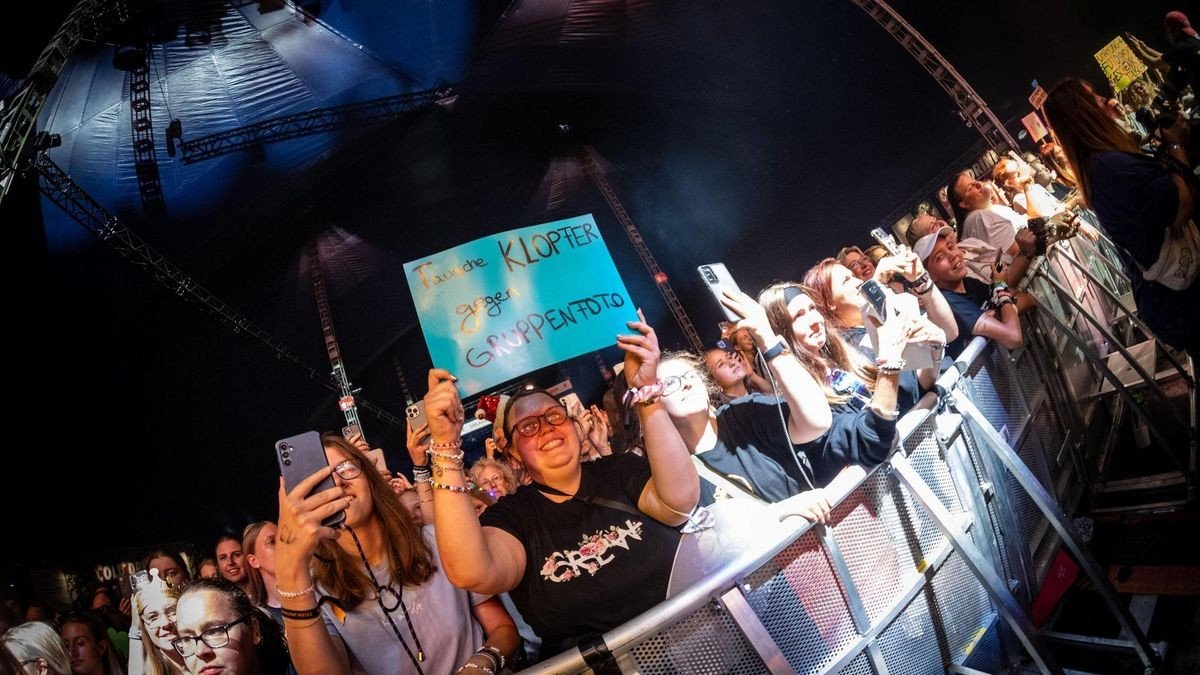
441	616
1046	203
997	225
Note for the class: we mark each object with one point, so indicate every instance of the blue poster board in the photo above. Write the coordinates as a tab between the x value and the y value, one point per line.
504	305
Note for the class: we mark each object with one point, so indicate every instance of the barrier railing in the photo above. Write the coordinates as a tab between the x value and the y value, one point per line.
930	562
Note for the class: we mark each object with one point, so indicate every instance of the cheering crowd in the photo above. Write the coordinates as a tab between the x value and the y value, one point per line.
570	525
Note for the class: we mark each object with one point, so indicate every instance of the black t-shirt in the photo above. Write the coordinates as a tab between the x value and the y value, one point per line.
753	448
967	308
588	568
855	437
1136	201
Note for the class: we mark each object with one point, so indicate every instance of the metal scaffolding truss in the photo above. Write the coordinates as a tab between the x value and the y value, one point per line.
310	122
57	186
972	108
86	21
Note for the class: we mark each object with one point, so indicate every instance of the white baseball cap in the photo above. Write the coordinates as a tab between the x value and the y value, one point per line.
924	246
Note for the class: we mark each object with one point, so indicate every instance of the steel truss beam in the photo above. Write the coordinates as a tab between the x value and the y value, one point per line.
308	123
57	186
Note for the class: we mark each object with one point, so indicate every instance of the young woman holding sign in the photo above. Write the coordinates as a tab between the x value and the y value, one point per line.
581	534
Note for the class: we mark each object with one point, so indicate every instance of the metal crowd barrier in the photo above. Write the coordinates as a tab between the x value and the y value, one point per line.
931	561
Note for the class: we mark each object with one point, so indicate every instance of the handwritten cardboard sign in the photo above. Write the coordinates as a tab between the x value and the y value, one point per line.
503	305
1120	65
1033	124
1038	97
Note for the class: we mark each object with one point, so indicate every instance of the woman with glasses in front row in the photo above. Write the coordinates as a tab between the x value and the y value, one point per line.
749	442
370	596
585	546
221	631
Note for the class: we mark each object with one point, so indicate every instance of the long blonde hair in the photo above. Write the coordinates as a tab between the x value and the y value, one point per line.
835	354
258	588
409	556
153	660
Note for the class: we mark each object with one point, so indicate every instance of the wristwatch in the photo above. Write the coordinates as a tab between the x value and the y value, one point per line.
779	349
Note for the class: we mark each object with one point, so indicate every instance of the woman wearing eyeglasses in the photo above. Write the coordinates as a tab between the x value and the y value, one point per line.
748	442
369	597
222	632
150	651
585	546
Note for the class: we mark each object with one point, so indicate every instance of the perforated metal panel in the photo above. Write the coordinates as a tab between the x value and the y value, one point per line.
962	602
802	606
861	665
913	644
707	642
877	546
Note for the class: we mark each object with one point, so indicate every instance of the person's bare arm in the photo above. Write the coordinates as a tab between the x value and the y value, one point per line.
674	487
809	415
500	634
480	559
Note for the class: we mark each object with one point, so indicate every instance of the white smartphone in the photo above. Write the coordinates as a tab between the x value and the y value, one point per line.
718	279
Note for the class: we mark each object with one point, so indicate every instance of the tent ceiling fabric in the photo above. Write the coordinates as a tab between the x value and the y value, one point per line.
763	133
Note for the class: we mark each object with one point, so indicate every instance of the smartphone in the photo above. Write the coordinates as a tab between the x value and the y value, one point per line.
349	430
887	241
301	456
571	402
875	296
416	415
883	304
718	280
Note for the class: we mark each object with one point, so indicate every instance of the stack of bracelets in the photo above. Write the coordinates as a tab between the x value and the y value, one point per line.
492	654
445	457
1001	295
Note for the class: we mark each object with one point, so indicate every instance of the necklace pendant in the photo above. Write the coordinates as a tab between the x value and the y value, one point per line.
437	470
420	656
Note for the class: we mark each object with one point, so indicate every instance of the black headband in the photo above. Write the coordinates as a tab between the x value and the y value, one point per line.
790	294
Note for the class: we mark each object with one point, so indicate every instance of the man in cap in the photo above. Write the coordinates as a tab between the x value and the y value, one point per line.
979	309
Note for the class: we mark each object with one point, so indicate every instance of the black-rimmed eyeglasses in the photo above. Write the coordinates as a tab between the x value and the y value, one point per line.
215	637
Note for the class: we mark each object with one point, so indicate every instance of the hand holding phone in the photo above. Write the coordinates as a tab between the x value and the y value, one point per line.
887	241
301	456
416	415
718	280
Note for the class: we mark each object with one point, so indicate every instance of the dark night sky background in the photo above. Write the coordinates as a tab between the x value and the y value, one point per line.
768	136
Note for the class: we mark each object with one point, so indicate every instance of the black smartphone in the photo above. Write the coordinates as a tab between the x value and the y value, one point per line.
718	279
875	297
301	456
416	415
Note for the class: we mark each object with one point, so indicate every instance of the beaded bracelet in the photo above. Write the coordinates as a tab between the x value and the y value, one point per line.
452	445
489	656
444	455
643	395
488	649
468	664
452	488
890	365
422	474
297	594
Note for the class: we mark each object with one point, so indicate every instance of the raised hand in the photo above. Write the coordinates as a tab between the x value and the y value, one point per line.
443	407
301	515
417	443
754	317
641	353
